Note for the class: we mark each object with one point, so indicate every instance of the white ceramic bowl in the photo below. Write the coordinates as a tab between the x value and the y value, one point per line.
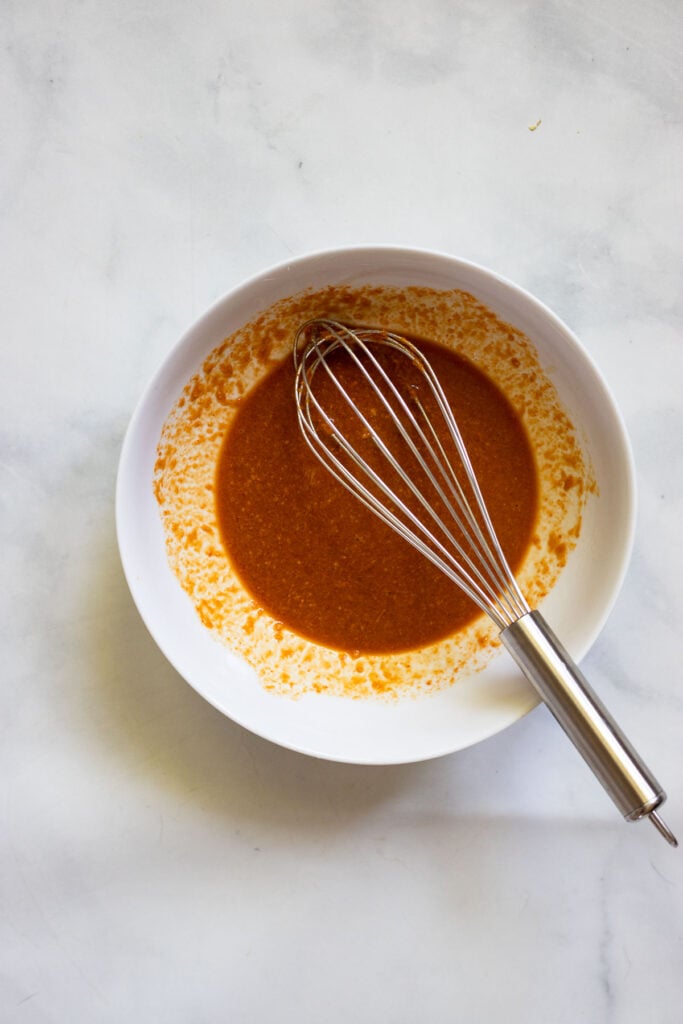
479	705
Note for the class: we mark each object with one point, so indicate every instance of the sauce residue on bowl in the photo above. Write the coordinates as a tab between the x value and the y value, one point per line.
316	558
189	466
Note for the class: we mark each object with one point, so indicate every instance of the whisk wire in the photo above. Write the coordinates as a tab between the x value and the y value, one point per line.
439	471
481	573
504	582
452	485
503	586
441	557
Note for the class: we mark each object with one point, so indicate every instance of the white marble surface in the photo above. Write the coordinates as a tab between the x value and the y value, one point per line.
158	863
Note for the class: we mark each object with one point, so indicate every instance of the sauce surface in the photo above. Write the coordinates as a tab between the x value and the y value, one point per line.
322	564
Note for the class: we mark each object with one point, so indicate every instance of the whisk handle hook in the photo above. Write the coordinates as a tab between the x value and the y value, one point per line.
584	718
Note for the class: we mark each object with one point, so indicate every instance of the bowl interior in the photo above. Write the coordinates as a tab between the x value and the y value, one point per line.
479	705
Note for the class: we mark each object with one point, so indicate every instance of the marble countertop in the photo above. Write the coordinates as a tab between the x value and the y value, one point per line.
158	862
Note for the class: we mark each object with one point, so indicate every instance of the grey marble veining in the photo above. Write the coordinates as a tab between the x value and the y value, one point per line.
156	861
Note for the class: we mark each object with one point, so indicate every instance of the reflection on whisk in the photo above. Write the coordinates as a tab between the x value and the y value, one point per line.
372	410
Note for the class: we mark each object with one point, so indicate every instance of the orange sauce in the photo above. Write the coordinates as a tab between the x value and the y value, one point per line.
321	563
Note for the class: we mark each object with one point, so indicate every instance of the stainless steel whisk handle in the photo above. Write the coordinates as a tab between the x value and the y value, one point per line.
585	719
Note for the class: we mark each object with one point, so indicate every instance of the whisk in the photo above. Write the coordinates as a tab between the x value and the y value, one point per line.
397	447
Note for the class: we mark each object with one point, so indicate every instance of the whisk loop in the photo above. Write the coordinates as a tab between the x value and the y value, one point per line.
471	554
392	440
